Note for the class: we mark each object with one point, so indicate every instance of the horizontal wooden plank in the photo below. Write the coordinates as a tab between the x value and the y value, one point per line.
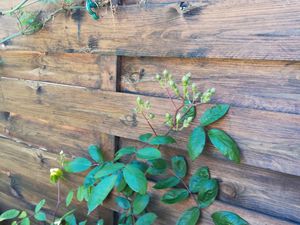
81	69
264	29
246	186
266	139
16	154
266	85
242	185
25	180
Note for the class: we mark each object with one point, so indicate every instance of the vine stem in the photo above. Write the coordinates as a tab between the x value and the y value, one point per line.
150	125
186	187
170	97
58	200
15	8
20	33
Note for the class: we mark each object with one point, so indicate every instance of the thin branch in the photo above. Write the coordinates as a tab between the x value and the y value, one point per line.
149	123
58	200
14	8
20	33
170	97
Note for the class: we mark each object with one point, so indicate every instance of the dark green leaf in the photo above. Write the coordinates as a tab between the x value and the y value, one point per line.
120	183
100	222
69	198
213	114
225	144
135	178
70	219
228	218
127	191
196	142
101	191
9	214
129	221
124	151
145	137
161	140
140	203
140	165
40	216
167	183
174	196
77	165
90	177
200	174
179	166
158	166
109	169
187	111
95	153
122	218
146	219
83	222
189	217
208	192
25	221
39	206
148	153
122	202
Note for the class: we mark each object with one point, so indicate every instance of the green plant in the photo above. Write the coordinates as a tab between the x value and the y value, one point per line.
31	22
128	172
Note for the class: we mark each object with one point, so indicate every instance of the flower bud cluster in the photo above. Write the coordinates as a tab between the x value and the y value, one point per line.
206	96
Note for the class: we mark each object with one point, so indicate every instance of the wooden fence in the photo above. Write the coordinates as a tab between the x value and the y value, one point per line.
75	83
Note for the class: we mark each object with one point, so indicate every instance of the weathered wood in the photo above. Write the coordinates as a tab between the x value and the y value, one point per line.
27	169
266	85
242	185
245	186
25	180
81	69
267	139
264	29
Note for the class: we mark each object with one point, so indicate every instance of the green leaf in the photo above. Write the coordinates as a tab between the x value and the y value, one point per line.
225	144
22	215
135	178
40	216
140	165
81	191
186	114
70	219
179	166
124	151
9	214
77	165
174	196
189	217
167	183
69	198
196	142
213	114
127	191
83	222
146	219
96	154
101	191
208	192
100	222
108	169
158	166
148	153
145	137
122	202
228	218
39	206
30	22
25	221
140	203
161	140
120	183
200	174
90	177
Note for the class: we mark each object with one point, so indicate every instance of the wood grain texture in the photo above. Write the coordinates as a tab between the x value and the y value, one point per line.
25	180
14	154
244	186
266	139
265	85
263	29
80	69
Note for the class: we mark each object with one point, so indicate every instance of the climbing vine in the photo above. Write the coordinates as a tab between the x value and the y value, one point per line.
31	21
127	175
